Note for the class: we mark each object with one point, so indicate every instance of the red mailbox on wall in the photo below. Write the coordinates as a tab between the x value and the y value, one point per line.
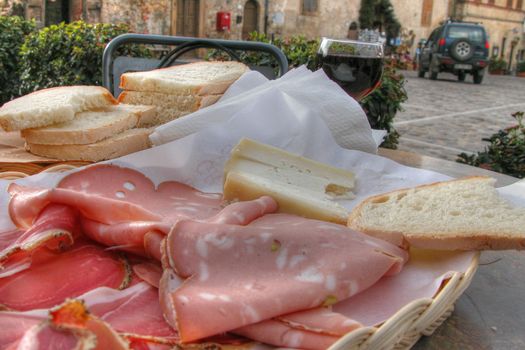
223	21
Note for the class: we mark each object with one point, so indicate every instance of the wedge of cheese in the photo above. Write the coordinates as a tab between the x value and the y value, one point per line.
301	186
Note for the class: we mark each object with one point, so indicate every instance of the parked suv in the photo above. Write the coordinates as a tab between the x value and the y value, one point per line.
458	48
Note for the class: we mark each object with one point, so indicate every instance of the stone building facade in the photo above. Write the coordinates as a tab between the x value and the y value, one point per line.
504	19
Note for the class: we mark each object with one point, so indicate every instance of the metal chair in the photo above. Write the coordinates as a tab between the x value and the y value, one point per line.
113	67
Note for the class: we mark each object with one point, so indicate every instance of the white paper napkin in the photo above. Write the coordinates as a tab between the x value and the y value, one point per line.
299	89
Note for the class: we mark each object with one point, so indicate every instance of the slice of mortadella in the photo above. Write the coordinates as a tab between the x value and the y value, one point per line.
126	236
27	203
119	206
171	200
314	329
278	264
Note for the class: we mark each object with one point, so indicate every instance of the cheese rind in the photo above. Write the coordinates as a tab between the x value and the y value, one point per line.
301	186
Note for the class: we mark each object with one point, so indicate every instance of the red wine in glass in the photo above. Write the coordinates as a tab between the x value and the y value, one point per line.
355	65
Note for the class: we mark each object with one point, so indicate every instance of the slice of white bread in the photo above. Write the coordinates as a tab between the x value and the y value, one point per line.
168	106
199	78
462	214
54	105
129	141
92	126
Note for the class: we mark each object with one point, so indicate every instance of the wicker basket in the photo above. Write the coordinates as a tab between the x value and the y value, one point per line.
420	317
399	332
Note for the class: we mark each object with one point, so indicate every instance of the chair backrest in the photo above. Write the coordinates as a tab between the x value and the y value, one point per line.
113	67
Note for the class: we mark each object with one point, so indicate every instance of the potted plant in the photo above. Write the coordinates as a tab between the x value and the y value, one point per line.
505	152
497	65
520	69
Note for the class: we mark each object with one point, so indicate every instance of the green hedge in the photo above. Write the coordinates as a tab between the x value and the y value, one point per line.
68	54
298	50
497	64
13	31
520	67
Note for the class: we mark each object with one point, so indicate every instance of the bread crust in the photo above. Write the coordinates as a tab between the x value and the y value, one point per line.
130	141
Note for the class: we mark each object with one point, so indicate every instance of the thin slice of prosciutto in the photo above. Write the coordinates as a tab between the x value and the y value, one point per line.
70	326
134	310
278	264
53	277
55	228
134	313
15	324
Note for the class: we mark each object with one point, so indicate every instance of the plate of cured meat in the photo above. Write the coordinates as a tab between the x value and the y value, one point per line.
105	261
115	260
200	243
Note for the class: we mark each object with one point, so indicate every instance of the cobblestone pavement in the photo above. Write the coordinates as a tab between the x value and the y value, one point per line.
445	117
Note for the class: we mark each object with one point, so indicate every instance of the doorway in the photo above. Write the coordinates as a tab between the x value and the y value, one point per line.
188	18
251	18
56	11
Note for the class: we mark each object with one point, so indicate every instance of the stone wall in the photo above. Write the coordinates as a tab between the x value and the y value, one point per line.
236	9
143	16
285	18
409	13
12	8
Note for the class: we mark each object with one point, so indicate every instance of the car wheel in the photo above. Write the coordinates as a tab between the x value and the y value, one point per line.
461	76
461	50
432	70
421	73
477	77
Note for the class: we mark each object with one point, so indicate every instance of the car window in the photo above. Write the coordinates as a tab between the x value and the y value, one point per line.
471	33
433	37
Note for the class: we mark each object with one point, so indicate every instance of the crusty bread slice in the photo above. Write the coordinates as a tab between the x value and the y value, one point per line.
199	78
462	214
129	141
54	105
168	106
92	126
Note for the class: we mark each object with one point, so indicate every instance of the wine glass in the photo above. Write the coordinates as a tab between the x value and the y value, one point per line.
356	66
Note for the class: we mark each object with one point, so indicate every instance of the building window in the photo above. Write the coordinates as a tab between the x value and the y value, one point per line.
491	2
426	13
509	4
519	4
309	7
